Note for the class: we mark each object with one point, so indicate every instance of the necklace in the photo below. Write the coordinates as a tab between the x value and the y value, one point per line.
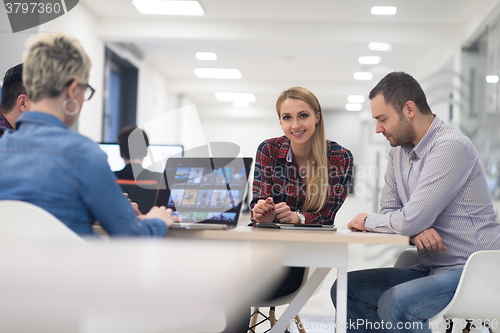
302	174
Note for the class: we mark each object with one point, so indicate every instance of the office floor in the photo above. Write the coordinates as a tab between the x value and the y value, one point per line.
318	314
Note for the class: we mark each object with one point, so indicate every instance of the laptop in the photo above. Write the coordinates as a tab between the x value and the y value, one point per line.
205	192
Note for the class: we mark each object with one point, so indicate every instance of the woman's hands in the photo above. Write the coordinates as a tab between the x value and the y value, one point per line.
264	210
285	215
268	211
161	213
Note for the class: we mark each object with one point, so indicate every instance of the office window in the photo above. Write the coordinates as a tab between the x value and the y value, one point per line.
120	101
480	107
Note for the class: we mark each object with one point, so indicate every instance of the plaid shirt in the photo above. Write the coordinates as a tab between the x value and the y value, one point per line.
276	175
4	124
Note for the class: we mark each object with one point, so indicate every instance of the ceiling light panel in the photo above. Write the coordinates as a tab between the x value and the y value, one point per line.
364	76
377	46
206	56
168	7
355	98
492	79
353	107
369	60
235	97
218	73
384	10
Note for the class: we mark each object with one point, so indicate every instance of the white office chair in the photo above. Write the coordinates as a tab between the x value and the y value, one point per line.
271	304
408	257
21	220
477	295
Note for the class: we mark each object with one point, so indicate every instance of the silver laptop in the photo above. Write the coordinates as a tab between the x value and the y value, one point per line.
205	193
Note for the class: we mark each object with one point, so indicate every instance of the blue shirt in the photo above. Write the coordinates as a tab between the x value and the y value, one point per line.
45	163
440	184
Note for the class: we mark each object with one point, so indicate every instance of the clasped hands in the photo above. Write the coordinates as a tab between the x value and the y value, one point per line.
268	211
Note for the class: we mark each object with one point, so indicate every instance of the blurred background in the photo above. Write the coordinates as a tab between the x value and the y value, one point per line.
214	75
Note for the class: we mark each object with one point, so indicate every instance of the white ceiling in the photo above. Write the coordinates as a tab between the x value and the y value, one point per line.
278	44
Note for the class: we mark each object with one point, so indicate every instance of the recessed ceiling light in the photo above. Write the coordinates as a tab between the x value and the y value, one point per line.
384	10
353	107
217	73
369	60
206	56
492	79
168	7
241	104
234	97
363	76
377	46
355	98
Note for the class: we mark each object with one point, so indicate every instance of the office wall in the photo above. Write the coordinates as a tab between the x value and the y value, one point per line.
156	101
81	23
12	44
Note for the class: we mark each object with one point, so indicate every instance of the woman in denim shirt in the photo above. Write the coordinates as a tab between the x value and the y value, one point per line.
45	163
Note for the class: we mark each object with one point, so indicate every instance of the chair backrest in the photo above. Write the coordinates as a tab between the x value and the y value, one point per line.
286	298
478	292
408	257
142	192
21	220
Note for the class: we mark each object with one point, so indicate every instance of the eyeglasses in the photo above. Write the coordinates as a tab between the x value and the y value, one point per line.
89	91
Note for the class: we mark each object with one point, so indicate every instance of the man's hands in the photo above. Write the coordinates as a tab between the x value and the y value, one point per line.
267	211
429	240
357	223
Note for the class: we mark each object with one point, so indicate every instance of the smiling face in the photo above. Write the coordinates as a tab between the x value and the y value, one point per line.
298	120
396	127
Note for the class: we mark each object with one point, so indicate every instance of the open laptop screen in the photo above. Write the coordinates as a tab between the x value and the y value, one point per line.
205	190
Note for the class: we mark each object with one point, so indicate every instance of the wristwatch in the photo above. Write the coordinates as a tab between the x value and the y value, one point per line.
302	218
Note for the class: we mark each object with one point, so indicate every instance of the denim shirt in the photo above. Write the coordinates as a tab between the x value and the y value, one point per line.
45	163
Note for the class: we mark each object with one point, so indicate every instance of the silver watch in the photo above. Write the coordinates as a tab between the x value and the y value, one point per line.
302	218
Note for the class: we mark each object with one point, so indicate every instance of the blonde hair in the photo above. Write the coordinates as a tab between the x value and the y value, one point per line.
317	176
53	61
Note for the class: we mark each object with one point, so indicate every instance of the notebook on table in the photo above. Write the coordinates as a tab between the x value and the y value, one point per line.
205	192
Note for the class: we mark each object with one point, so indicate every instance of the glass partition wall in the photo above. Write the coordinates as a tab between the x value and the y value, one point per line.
480	107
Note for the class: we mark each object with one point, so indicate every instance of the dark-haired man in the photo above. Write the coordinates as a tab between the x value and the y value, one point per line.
14	100
435	192
134	144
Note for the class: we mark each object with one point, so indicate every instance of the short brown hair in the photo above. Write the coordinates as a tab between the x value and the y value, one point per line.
399	88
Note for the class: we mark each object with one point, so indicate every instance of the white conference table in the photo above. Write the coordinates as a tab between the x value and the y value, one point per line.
129	286
304	248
